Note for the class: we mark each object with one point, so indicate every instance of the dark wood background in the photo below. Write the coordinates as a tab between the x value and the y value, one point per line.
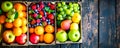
100	26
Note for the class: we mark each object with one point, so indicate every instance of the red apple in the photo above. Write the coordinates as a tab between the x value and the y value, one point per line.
34	39
65	25
8	36
21	39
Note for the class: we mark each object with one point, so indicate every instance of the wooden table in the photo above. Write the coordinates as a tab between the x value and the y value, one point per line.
100	26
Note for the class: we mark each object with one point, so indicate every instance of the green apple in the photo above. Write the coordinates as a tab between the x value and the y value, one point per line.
61	36
6	6
8	36
74	26
74	35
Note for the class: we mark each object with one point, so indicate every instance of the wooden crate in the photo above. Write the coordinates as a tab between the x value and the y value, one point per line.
80	25
41	43
14	43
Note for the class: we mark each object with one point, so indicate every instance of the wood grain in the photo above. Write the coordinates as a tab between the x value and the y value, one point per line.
118	22
107	25
90	23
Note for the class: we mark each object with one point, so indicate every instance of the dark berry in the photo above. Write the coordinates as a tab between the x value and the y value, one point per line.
36	11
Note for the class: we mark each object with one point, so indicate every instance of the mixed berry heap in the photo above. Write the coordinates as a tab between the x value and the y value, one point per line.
41	14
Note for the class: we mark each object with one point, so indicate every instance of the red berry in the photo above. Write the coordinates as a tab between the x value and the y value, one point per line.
34	7
33	22
35	15
38	20
39	9
52	21
43	18
52	6
49	4
42	6
51	16
41	13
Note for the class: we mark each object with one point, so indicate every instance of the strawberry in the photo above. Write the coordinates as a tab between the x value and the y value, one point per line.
41	6
35	15
49	4
51	16
43	18
39	9
34	6
38	20
52	7
33	22
41	13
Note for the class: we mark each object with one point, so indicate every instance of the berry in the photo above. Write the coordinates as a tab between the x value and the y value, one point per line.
42	6
48	22
33	22
39	9
36	11
37	5
41	13
35	15
38	20
51	16
49	4
52	21
43	18
52	7
33	7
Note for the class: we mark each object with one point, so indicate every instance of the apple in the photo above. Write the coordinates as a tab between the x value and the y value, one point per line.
6	6
21	39
34	39
61	36
74	26
8	36
65	25
74	35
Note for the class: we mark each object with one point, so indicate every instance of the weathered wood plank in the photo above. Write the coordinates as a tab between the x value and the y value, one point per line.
107	24
50	46
90	23
118	22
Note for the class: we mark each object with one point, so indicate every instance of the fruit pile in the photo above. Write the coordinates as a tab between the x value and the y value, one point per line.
68	21
41	22
14	18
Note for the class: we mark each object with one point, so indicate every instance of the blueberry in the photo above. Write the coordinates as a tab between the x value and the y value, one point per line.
40	24
32	26
37	24
38	5
36	11
29	25
48	22
45	14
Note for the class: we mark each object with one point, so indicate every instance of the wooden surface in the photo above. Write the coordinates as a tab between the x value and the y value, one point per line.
100	26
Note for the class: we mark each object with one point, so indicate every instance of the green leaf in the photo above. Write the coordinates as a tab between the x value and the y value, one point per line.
16	15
